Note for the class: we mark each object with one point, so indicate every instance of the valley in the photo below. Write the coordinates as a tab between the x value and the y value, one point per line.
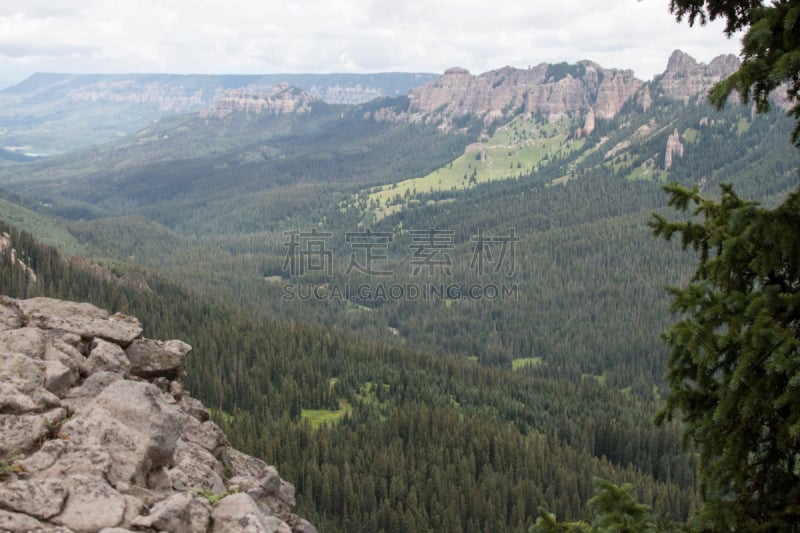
459	412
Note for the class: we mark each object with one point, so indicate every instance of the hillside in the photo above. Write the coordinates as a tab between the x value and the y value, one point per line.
398	454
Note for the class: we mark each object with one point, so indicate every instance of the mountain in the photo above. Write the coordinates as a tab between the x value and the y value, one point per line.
54	113
552	91
284	238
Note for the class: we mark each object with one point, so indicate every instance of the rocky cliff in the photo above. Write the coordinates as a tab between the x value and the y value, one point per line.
98	434
686	79
277	100
550	90
553	91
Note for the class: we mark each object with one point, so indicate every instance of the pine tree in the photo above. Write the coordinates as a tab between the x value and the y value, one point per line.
734	368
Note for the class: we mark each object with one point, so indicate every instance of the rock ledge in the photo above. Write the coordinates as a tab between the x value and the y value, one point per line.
98	434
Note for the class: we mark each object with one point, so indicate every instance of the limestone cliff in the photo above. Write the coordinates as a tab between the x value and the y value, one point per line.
98	434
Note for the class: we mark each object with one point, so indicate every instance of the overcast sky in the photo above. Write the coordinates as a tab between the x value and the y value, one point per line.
266	36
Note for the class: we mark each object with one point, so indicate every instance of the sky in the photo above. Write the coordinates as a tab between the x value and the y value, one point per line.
266	36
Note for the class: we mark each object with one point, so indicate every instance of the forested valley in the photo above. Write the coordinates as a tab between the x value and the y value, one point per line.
463	411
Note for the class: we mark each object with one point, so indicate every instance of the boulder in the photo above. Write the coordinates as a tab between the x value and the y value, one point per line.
19	523
152	359
24	433
109	357
239	513
92	505
170	514
28	341
60	458
135	425
206	434
40	498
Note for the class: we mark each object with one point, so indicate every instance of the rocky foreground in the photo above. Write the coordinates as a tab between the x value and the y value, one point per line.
98	434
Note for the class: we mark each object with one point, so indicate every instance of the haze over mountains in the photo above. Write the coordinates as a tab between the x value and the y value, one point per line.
54	113
51	113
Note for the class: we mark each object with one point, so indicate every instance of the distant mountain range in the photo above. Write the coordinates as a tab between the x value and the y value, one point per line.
54	113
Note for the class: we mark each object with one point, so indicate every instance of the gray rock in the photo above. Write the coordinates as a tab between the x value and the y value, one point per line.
152	359
58	377
193	407
269	489
69	356
94	385
239	513
27	377
107	356
134	453
82	319
28	341
24	433
170	514
40	498
301	525
242	464
59	459
20	366
10	317
206	434
13	400
135	425
200	515
92	505
19	523
196	468
45	457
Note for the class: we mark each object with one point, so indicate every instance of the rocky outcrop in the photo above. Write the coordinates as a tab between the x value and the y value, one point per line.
686	79
584	89
98	433
280	99
674	149
6	249
340	94
166	97
553	91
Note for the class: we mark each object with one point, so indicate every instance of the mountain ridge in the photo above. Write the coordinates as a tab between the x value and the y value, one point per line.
552	90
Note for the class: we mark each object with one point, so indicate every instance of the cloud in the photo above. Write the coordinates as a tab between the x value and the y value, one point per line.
343	35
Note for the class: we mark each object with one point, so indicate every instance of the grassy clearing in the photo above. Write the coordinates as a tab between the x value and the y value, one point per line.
517	364
691	135
319	417
742	126
515	149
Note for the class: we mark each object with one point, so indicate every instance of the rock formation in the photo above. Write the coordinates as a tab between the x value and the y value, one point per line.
280	99
98	434
686	79
553	91
674	149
